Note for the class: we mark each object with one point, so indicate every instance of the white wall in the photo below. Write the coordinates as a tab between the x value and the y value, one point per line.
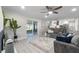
1	28
1	19
22	21
43	27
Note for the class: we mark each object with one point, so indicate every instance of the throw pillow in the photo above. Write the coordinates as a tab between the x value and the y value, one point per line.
74	39
78	42
69	35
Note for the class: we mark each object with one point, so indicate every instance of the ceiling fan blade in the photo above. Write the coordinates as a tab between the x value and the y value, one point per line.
58	8
55	12
48	8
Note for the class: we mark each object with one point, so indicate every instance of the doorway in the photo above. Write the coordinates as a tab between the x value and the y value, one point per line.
31	29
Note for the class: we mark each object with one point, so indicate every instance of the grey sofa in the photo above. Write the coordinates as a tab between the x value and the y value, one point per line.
62	47
9	47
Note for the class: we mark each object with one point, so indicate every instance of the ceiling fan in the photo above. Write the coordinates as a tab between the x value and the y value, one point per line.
52	9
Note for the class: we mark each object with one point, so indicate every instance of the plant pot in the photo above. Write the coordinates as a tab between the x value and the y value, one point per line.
15	37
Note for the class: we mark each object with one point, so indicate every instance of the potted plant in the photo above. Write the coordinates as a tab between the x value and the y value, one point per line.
14	26
5	22
5	36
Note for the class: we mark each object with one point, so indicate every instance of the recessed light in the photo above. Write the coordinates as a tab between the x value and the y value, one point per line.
22	7
66	22
50	12
46	16
74	9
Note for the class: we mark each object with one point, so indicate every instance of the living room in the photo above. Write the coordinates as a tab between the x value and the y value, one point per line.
56	27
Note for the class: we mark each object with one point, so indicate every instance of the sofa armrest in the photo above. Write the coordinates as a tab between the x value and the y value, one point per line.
62	47
9	48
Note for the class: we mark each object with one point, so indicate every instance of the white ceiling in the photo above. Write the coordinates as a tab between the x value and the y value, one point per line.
34	12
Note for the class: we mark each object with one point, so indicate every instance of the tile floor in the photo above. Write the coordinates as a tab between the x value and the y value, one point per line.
24	46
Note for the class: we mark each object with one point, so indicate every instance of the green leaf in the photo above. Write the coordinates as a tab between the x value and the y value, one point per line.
13	24
5	21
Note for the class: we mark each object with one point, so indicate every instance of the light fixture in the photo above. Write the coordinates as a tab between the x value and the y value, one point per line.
66	22
46	16
74	9
50	12
22	7
58	26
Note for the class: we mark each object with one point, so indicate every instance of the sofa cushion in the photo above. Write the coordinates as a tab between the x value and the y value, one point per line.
62	47
64	39
70	34
78	42
65	34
